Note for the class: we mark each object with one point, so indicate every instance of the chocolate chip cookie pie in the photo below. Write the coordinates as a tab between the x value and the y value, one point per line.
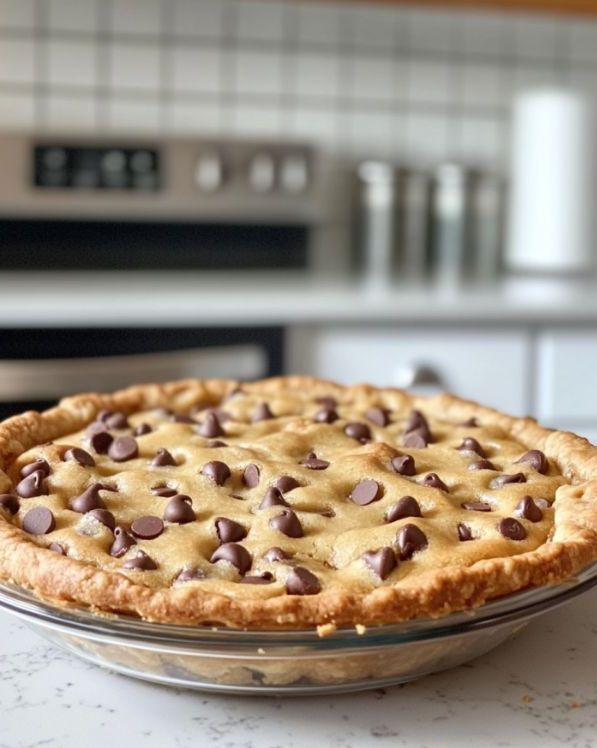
288	503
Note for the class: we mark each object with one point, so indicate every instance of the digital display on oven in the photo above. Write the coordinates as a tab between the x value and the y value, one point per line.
111	167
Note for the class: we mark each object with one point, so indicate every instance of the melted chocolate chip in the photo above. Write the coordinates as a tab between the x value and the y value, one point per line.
381	562
265	578
273	497
141	562
105	517
164	491
101	441
471	423
476	506
287	523
39	465
359	431
262	413
179	510
190	575
286	483
464	532
472	445
326	415
211	426
9	502
528	509
32	485
275	554
434	481
512	529
378	416
366	492
163	458
147	528
83	458
142	429
313	462
301	581
536	459
403	465
409	540
218	471
407	506
88	500
123	448
327	401
39	521
234	554
229	531
251	476
122	542
504	479
481	465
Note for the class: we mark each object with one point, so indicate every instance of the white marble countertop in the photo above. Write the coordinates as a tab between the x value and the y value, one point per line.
538	690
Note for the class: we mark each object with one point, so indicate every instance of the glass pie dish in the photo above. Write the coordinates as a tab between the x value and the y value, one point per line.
286	662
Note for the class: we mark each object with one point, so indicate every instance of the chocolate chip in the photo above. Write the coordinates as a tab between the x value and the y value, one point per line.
251	475
39	521
359	431
147	528
116	420
378	416
415	440
163	458
536	459
481	465
301	581
287	523
275	554
265	578
164	491
122	542
57	548
218	471
464	532
88	500
366	492
142	429
179	510
83	458
409	540
313	462
211	426
471	423
472	445
415	420
286	483
262	413
512	529
403	465
141	562
528	509
32	485
101	441
190	575
407	506
39	465
229	531
9	502
273	497
182	418
434	481
215	443
381	562
326	415
543	503
234	554
123	448
476	506
327	401
504	479
105	517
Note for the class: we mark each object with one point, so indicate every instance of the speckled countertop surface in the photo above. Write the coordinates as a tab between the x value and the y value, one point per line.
539	689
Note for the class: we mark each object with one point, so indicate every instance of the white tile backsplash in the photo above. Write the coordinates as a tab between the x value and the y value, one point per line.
363	79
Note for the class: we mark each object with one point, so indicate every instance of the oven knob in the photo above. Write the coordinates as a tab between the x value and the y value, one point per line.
209	172
262	172
294	174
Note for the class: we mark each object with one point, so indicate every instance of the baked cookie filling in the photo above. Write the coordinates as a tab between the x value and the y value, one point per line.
289	502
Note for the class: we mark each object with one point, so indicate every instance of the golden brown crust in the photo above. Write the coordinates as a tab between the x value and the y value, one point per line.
573	543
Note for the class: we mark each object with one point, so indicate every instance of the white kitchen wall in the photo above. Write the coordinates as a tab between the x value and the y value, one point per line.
363	80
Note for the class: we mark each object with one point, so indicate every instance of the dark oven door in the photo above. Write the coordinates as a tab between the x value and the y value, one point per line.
39	366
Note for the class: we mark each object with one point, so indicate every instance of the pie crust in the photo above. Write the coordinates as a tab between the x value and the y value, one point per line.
439	578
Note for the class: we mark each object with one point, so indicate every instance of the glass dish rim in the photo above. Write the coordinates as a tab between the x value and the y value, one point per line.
506	609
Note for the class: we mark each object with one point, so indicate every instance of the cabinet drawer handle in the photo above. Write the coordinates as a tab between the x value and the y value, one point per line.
417	375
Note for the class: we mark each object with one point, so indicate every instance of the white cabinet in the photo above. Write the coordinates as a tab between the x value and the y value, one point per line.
489	365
